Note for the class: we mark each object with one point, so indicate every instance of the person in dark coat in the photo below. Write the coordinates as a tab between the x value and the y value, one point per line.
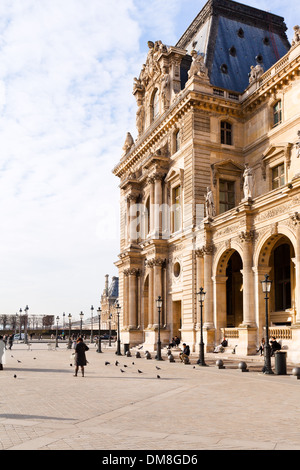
80	358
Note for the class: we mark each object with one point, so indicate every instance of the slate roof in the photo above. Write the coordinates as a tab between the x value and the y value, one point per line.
232	37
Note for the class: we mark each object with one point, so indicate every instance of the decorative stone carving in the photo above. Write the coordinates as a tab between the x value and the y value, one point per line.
295	218
298	145
247	236
165	87
296	38
255	73
140	119
209	204
198	67
248	182
128	142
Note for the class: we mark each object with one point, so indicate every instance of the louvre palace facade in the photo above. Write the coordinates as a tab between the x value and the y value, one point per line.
210	188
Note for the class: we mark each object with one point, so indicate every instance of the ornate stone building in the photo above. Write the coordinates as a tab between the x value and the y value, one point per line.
108	301
210	189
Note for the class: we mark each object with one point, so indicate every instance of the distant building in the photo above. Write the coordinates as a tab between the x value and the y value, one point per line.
108	300
210	189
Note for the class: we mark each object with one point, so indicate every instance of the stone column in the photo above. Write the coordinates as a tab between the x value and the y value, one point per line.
248	282
152	205
132	293
220	311
125	298
157	272
296	221
259	298
150	296
158	203
132	218
199	283
208	287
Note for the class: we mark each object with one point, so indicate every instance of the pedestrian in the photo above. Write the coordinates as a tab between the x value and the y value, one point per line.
2	352
184	355
80	357
10	341
261	347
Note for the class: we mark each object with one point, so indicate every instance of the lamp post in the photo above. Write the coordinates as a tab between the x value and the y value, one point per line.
20	325
26	324
159	303
16	322
266	287
201	360
81	318
109	323
118	352
99	339
56	337
92	309
70	340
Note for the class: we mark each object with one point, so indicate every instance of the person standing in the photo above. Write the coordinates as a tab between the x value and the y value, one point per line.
2	352
10	341
80	357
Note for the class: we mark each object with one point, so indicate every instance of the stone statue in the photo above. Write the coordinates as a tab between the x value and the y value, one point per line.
140	119
248	182
296	38
198	66
209	204
128	142
298	145
255	73
165	87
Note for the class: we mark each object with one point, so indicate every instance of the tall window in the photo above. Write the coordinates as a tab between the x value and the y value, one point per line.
277	113
226	133
147	217
177	141
226	195
176	209
278	178
155	105
282	270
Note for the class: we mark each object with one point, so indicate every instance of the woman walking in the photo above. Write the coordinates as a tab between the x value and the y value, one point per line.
2	352
80	358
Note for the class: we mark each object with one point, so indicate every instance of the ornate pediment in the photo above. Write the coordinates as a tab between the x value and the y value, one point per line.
275	151
226	167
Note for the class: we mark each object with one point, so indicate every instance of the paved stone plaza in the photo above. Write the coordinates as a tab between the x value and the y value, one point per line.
188	408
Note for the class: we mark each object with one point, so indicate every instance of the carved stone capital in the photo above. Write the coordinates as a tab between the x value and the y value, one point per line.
295	218
247	236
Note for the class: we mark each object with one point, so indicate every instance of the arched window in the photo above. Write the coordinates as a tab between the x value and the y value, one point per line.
226	133
155	105
177	141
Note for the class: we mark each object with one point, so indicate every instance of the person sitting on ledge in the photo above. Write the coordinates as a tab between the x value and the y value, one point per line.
275	346
184	355
220	348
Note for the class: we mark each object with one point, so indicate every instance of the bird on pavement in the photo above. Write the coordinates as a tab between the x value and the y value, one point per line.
139	371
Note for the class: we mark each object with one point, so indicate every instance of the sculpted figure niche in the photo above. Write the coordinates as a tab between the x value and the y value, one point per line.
165	87
255	73
209	204
248	182
296	38
140	119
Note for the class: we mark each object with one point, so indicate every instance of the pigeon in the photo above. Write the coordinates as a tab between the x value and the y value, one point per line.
18	360
34	358
71	365
122	370
139	371
107	363
11	356
133	363
158	376
158	368
15	376
125	365
116	363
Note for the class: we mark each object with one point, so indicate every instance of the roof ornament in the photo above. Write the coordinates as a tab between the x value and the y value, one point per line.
198	67
296	38
128	142
255	73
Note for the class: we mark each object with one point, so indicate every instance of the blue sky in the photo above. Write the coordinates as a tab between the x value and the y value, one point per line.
66	104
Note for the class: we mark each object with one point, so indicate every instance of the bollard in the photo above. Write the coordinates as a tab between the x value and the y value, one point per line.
243	367
126	348
220	364
280	362
296	372
128	353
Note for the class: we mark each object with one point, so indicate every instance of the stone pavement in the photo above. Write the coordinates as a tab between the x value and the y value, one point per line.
188	408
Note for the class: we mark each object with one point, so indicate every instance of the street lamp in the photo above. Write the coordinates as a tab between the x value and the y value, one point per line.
201	360
109	323
56	338
81	318
266	287
159	303
99	339
70	340
16	322
92	339
20	311
118	308
26	324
